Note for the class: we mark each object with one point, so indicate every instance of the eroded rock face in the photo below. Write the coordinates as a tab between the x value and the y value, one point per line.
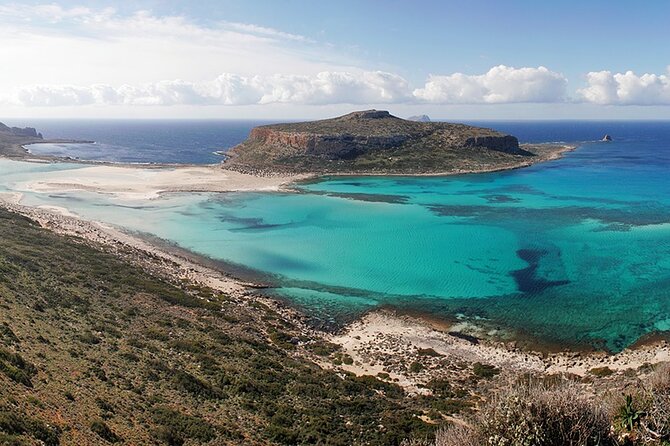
505	143
330	146
27	132
370	139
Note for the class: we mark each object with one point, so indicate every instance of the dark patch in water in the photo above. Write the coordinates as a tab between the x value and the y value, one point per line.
500	198
614	227
262	227
281	262
526	279
67	197
375	198
252	224
124	206
642	215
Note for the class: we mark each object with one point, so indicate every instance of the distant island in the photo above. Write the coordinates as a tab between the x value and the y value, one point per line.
419	118
13	140
376	142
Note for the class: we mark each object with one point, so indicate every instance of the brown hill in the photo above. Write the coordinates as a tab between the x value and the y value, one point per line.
373	141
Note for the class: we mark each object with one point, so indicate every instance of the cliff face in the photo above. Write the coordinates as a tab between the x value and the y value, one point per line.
505	143
27	132
336	146
374	139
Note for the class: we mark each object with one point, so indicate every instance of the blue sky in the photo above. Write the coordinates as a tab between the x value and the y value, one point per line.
450	59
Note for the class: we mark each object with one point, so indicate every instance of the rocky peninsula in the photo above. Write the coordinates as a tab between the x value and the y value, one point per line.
13	140
376	142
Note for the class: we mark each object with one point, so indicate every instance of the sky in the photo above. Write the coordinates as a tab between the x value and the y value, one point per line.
247	59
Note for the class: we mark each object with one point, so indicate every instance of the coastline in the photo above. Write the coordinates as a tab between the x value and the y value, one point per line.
546	152
381	341
149	181
140	182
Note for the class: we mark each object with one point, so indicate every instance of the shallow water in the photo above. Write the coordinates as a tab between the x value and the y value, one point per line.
574	251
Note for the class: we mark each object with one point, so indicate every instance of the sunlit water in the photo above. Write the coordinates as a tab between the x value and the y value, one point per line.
574	251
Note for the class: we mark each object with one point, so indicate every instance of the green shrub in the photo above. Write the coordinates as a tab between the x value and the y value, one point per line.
176	427
322	348
88	337
103	431
428	352
16	368
601	372
484	370
195	386
13	423
629	415
416	367
440	387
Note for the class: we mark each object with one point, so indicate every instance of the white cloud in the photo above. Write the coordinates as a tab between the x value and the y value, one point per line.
373	87
627	88
264	31
53	45
501	84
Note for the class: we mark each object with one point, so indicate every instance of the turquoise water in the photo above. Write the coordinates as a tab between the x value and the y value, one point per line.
574	251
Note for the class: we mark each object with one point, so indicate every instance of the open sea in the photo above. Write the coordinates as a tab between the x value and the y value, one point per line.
573	252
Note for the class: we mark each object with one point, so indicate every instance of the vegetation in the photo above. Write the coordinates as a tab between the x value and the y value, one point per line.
93	350
558	412
486	371
377	142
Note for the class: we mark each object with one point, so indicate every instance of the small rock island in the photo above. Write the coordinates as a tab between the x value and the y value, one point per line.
376	142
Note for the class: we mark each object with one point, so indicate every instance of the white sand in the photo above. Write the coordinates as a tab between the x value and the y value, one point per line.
150	182
383	341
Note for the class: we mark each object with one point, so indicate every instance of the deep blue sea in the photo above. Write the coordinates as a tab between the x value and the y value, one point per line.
194	142
574	252
143	141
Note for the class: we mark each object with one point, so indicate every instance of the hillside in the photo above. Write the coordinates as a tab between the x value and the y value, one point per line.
375	142
94	350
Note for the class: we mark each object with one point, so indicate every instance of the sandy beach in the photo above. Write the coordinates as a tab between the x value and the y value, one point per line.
141	183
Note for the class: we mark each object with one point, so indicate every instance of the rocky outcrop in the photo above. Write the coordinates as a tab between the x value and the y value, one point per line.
27	132
329	146
506	143
372	138
419	118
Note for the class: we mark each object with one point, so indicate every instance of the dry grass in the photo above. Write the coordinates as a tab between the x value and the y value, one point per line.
655	424
533	414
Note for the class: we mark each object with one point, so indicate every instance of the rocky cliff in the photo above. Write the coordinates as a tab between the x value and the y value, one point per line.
370	141
27	132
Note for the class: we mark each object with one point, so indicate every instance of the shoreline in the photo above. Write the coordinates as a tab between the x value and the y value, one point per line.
383	340
138	181
380	341
543	152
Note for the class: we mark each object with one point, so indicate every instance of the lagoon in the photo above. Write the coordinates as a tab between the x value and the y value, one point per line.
573	252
